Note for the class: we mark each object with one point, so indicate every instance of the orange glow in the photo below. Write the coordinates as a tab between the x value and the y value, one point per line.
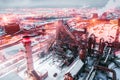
106	31
93	20
114	21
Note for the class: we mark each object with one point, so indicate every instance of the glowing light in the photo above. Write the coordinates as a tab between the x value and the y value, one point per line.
5	19
26	39
93	20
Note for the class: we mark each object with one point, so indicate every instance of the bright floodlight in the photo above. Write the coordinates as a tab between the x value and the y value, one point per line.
5	19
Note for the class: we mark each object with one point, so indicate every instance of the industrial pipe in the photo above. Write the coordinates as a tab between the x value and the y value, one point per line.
91	44
101	45
107	55
105	47
89	74
106	69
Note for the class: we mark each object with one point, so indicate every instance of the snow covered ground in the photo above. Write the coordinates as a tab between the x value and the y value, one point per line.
10	51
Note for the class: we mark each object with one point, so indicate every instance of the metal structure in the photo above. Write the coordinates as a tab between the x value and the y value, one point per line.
32	74
97	57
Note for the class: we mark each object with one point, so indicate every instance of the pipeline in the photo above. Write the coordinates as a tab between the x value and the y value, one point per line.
101	45
107	55
90	73
104	50
106	69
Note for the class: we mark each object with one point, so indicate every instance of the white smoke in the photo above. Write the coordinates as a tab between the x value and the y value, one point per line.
112	4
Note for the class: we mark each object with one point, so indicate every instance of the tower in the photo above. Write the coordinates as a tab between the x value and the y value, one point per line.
32	74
